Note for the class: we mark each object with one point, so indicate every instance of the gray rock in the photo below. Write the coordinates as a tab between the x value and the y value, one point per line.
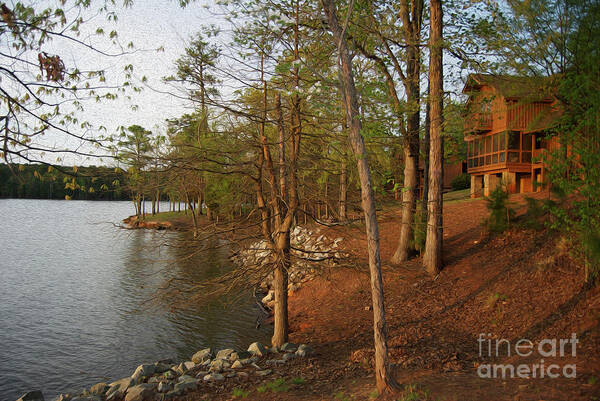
164	387
181	368
187	385
230	375
237	365
213	377
304	350
32	396
142	371
116	390
288	356
185	378
206	363
172	394
141	392
257	349
202	373
264	372
224	353
87	398
189	365
202	355
289	347
169	374
99	388
273	362
242	374
218	365
161	367
64	397
240	355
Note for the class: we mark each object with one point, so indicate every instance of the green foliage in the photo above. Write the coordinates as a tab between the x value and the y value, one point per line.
534	214
240	393
298	380
573	168
39	181
501	214
462	181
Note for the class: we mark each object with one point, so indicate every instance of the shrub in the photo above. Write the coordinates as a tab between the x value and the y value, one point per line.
501	214
462	181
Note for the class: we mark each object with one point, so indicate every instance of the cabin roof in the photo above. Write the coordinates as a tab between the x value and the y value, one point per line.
513	87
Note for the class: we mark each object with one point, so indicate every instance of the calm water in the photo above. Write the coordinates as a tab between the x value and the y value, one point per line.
74	291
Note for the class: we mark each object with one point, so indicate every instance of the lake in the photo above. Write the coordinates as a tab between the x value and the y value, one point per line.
78	297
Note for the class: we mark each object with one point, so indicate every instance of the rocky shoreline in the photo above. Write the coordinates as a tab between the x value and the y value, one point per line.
311	251
165	379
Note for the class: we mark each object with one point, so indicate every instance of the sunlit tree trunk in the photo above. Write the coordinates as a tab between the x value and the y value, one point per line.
432	259
383	376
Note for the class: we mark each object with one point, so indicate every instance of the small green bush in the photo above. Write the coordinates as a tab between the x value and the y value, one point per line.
462	181
501	214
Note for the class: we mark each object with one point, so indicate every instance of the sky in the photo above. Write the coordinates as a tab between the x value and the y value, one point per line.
149	24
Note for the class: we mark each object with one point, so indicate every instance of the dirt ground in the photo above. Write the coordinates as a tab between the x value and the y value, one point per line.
522	284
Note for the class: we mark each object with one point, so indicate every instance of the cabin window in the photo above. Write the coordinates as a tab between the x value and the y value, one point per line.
514	140
495	158
495	142
488	159
502	141
502	157
488	144
526	156
527	139
513	157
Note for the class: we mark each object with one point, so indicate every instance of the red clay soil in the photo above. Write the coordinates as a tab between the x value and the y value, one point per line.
519	285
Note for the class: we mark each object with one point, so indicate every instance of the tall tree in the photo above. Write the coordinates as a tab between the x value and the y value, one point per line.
383	372
432	259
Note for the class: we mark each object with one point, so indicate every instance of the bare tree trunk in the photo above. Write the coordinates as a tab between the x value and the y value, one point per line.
343	192
280	284
383	376
432	259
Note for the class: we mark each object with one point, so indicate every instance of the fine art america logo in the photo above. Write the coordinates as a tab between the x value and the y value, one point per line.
547	348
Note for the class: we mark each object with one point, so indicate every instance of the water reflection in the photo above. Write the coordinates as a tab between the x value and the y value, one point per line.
74	297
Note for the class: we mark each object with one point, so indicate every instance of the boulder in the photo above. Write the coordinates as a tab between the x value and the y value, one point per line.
116	390
160	367
213	377
164	387
304	350
142	371
224	353
99	388
287	356
257	349
289	347
237	365
141	392
218	365
264	372
202	355
239	355
64	397
186	385
32	396
269	297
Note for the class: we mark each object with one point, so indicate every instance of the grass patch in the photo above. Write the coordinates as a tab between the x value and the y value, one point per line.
298	380
276	386
341	396
240	393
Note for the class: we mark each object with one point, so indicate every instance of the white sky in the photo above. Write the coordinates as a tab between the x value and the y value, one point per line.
149	24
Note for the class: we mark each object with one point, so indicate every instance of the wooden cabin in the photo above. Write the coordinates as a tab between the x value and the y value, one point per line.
506	131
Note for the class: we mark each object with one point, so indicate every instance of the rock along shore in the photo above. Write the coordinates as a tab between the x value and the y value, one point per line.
165	379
